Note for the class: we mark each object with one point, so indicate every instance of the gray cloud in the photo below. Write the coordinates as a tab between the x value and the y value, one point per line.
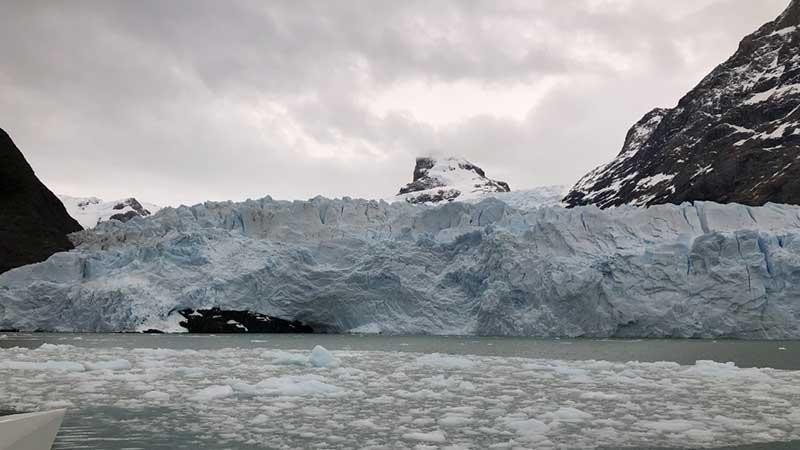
184	101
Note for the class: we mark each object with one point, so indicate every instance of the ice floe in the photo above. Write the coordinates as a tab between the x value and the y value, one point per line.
236	397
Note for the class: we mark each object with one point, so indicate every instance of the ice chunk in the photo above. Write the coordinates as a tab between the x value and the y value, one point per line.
287	358
434	436
213	392
455	420
290	385
117	364
440	361
260	419
368	424
321	357
530	429
568	414
670	426
66	366
155	396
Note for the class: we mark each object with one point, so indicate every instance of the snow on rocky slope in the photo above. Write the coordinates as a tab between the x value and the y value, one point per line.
448	179
734	138
702	270
89	211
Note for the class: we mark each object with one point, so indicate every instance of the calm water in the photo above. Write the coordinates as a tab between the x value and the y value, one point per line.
774	354
257	391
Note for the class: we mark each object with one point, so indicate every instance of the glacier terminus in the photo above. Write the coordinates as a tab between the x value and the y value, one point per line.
492	267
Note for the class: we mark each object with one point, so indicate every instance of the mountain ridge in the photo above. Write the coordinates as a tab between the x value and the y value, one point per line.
734	138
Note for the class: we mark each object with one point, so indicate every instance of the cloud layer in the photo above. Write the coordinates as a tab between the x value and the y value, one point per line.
183	101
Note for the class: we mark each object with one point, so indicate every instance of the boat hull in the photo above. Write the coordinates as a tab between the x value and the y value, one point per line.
31	431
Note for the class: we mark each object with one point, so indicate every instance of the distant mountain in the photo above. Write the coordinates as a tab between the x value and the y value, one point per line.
734	138
33	222
448	179
90	211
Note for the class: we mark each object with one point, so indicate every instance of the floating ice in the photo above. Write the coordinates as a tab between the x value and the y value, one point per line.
433	436
321	357
293	385
568	414
404	400
287	358
212	393
528	429
66	366
117	364
445	362
156	395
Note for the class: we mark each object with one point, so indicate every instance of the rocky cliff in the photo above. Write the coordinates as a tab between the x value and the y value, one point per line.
734	138
33	222
448	179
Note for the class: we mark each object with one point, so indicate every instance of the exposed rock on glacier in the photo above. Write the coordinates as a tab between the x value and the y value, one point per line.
706	270
447	179
89	211
33	222
216	320
733	138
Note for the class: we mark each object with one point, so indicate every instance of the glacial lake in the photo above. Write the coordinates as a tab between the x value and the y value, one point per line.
133	391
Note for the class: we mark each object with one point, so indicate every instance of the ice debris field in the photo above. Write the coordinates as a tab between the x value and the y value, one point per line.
260	398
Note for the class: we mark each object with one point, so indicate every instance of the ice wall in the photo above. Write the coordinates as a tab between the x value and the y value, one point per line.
703	270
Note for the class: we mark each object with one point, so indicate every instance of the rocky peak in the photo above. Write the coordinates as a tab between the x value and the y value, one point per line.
33	222
133	209
90	211
733	138
790	16
446	179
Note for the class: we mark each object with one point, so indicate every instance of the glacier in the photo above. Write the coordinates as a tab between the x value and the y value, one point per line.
487	268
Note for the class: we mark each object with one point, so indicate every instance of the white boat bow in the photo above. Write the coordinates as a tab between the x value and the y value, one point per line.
30	431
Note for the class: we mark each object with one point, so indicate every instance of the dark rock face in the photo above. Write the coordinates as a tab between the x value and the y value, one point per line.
216	320
446	179
33	222
438	195
124	217
733	138
137	210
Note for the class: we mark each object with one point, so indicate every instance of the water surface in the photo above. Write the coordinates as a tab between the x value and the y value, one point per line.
127	391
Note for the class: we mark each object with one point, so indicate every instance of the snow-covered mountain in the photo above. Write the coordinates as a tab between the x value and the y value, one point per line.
702	270
448	179
733	138
89	211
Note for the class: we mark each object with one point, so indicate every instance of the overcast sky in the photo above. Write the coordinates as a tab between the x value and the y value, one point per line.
183	101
